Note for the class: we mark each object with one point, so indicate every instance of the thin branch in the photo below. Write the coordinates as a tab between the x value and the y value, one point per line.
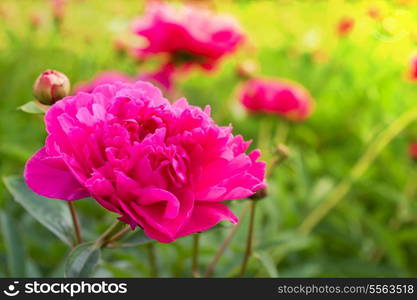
249	240
196	244
225	243
116	236
102	239
75	223
152	260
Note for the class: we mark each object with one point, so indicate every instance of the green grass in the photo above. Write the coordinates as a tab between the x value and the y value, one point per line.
359	91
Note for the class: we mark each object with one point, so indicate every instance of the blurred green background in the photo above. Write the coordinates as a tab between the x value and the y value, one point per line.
359	87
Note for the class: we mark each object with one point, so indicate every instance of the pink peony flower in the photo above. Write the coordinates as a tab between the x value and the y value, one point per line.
187	34
164	167
102	78
273	96
345	26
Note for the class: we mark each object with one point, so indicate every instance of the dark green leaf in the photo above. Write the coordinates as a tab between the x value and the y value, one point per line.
82	260
52	213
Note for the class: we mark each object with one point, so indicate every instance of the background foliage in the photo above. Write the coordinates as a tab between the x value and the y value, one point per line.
359	87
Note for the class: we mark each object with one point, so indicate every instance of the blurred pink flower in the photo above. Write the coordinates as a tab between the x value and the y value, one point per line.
187	34
35	20
412	68
101	78
120	46
345	26
275	96
58	8
412	150
164	167
374	12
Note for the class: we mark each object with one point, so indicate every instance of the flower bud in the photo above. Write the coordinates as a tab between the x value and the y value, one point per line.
51	86
259	194
246	69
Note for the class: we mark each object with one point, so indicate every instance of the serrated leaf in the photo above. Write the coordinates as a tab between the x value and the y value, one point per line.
51	213
83	260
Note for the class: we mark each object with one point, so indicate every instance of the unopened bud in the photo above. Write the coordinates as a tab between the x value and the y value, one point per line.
51	86
282	151
246	69
259	194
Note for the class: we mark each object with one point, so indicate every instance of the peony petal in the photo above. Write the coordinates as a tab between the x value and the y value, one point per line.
207	215
50	177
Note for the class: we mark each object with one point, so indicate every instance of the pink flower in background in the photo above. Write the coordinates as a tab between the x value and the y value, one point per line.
374	12
412	68
345	26
35	20
187	34
58	8
102	78
273	96
412	150
164	167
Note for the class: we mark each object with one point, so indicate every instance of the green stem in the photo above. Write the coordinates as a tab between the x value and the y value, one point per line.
282	132
249	240
75	223
116	236
357	171
152	260
101	241
226	243
194	267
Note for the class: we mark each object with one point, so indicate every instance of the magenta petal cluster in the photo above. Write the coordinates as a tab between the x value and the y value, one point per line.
277	96
164	167
187	34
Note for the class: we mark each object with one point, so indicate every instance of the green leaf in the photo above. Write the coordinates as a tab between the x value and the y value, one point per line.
268	263
83	260
289	240
16	260
51	213
31	108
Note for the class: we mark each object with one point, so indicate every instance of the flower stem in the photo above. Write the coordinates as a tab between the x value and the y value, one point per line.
196	244
225	243
249	239
117	235
383	139
75	223
101	241
152	260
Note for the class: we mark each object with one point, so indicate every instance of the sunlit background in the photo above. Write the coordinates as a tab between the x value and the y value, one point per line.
354	58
